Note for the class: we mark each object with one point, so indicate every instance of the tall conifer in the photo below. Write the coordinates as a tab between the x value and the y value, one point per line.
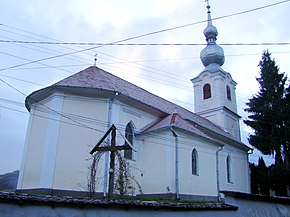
266	110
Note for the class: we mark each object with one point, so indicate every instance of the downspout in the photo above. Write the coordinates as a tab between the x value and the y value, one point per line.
249	171
105	187
217	173
176	164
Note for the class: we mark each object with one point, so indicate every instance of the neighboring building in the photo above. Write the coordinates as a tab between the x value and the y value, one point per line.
176	151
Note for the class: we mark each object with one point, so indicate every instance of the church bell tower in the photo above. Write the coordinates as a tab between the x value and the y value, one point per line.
214	88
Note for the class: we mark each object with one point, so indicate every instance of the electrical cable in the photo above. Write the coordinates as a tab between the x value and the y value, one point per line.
159	73
85	119
141	44
162	140
140	36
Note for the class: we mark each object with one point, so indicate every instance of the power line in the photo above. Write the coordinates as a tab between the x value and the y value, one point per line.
146	77
22	58
22	80
141	44
142	35
162	75
162	140
143	77
77	117
56	112
46	48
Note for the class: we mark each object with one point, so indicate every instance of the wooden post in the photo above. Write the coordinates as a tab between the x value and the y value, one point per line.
112	163
112	149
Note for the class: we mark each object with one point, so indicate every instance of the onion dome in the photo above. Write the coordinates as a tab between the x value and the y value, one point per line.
212	53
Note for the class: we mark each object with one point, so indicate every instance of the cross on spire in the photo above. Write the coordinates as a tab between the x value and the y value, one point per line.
95	59
208	6
208	13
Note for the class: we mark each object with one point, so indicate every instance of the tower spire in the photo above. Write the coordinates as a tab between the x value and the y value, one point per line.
214	88
212	54
208	13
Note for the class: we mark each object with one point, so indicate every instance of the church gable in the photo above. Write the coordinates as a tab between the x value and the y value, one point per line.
176	121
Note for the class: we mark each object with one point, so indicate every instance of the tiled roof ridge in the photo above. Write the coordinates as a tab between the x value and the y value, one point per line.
154	124
116	77
173	118
121	79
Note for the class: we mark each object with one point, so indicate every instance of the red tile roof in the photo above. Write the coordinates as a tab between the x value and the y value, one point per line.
176	121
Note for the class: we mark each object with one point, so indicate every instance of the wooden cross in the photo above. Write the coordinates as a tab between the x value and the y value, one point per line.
112	149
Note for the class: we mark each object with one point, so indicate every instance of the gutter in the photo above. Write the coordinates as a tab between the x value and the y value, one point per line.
249	171
217	173
176	164
105	187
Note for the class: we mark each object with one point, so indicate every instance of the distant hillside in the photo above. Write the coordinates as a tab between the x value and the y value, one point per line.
8	181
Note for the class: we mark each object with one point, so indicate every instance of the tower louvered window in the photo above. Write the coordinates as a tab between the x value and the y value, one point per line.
206	91
229	96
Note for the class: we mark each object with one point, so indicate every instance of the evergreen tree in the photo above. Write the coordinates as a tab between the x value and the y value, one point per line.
279	179
286	137
269	117
254	179
263	177
260	183
266	111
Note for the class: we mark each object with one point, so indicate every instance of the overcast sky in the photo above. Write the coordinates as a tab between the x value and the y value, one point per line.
163	70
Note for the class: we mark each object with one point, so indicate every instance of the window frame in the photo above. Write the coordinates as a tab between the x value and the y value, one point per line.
206	91
129	135
229	93
194	162
229	169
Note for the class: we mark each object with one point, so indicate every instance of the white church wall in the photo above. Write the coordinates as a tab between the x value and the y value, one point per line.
39	135
66	166
139	118
75	142
232	125
204	182
158	163
31	168
239	170
67	145
123	114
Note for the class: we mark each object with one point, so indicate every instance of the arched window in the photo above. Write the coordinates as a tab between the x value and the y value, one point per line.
194	162
229	168
229	95
129	136
206	91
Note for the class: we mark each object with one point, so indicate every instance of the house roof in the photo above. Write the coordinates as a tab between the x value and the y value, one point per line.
94	78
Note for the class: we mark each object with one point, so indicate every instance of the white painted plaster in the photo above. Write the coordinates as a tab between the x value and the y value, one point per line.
25	150
51	142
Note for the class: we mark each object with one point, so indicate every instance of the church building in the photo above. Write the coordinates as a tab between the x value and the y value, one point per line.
173	151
